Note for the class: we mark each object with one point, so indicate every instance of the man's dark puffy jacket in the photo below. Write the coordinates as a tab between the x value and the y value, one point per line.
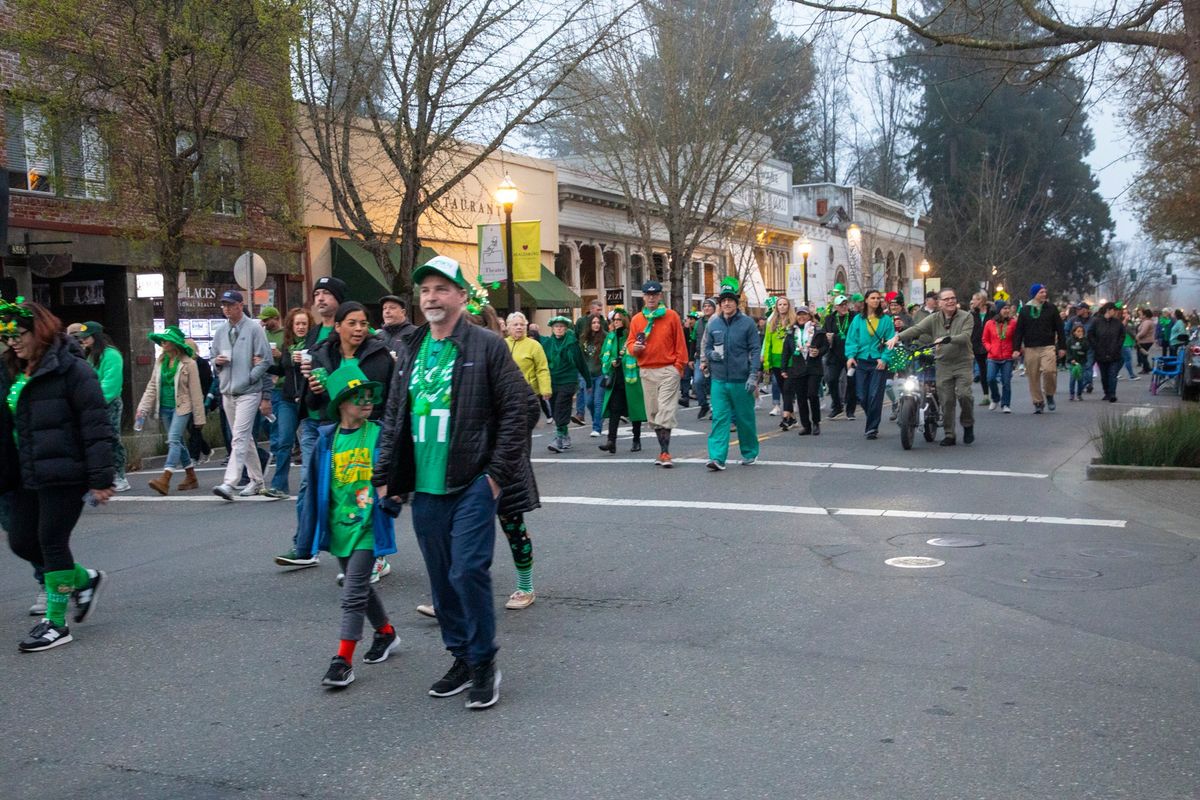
374	359
393	335
489	424
837	348
1107	338
65	435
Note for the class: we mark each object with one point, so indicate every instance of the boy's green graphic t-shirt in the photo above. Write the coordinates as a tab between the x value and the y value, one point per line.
353	497
429	398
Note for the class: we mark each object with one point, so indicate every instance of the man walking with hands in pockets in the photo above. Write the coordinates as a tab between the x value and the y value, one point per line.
243	356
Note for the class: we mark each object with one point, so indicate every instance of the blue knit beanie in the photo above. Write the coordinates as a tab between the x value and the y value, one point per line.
1033	290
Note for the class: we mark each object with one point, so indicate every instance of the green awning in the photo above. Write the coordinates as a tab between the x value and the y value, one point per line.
549	292
365	282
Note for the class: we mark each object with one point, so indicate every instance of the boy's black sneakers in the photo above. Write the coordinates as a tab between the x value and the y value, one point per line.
485	686
381	647
454	681
44	636
85	598
339	675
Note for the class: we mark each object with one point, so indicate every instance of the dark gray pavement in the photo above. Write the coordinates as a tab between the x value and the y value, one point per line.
673	652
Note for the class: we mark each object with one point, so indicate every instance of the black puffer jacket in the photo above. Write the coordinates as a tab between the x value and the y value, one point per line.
489	421
64	433
804	364
1107	338
374	360
393	335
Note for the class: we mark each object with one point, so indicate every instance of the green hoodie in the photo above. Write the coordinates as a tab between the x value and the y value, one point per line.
565	359
111	372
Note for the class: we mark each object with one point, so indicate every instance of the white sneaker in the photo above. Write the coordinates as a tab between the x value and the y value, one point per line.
381	569
252	488
1136	378
224	491
993	406
1006	409
427	610
774	411
594	434
121	485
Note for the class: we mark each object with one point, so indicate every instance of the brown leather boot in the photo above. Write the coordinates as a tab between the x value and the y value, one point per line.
190	482
163	484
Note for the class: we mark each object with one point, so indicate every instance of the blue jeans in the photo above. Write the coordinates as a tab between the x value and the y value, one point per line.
776	390
581	397
1127	356
286	413
999	378
1088	374
868	385
114	419
177	425
596	403
457	534
700	385
302	540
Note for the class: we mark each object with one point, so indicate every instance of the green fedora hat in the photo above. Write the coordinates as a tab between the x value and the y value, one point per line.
175	336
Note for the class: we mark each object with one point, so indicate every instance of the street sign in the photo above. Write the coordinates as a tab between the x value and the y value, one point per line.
614	297
250	270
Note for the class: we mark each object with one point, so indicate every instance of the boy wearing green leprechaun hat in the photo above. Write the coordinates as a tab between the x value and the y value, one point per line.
343	516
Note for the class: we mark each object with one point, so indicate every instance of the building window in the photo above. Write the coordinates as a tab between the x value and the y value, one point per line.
636	272
216	182
67	158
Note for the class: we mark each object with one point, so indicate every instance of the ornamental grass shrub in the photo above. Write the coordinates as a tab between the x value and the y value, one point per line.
1166	440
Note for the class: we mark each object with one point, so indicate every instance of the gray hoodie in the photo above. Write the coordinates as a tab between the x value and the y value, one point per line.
241	375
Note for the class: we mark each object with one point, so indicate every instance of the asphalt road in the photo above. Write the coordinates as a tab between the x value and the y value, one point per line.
696	635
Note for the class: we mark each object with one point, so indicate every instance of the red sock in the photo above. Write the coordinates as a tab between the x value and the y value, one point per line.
346	649
387	630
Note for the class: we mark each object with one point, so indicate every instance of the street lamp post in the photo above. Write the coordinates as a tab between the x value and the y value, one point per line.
805	250
924	278
506	195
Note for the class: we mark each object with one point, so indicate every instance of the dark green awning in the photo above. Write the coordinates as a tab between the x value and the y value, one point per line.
365	282
549	292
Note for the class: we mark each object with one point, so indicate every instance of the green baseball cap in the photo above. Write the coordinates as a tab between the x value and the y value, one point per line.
88	330
444	266
268	312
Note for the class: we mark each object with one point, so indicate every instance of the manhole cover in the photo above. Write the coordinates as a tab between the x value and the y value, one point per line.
1107	552
954	541
1061	574
915	562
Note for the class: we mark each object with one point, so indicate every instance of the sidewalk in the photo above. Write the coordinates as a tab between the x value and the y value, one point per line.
1171	506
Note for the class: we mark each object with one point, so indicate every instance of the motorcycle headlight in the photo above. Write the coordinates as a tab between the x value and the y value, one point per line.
910	384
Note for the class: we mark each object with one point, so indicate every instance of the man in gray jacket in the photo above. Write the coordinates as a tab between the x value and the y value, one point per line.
950	330
242	357
731	360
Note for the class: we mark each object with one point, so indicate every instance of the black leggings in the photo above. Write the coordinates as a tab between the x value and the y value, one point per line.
561	398
786	389
42	521
806	389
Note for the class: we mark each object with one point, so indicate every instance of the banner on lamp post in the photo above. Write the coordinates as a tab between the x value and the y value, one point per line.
491	254
527	252
795	283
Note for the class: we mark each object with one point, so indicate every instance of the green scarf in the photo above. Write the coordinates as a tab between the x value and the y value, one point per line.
614	348
652	316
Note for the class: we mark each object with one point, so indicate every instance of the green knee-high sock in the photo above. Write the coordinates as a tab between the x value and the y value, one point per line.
522	550
59	585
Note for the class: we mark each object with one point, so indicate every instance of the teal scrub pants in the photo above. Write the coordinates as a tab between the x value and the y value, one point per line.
731	400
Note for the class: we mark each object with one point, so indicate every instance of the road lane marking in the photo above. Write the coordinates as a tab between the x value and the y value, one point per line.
834	512
1139	411
985	473
712	505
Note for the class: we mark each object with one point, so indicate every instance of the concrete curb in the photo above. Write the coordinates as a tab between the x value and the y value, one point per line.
1121	472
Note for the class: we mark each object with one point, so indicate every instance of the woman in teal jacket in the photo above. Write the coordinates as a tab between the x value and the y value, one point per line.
110	369
865	343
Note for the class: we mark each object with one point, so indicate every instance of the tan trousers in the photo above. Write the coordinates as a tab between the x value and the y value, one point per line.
660	390
1041	368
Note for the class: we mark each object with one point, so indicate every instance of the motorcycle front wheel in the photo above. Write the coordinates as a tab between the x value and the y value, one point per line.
907	417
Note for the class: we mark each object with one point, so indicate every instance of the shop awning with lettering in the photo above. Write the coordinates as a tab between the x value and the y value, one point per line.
549	292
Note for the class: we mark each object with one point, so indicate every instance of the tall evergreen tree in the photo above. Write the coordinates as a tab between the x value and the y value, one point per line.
1004	167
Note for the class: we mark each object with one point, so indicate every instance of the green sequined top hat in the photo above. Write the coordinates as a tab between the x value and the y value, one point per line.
477	298
838	288
15	317
175	336
345	382
730	288
618	310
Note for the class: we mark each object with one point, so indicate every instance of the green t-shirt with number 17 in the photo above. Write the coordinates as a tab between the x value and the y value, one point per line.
429	399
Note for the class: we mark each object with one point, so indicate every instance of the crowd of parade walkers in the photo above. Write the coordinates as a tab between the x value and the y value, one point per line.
441	418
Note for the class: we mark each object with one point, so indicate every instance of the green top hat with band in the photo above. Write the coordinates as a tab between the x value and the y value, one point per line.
173	336
440	265
345	383
559	319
